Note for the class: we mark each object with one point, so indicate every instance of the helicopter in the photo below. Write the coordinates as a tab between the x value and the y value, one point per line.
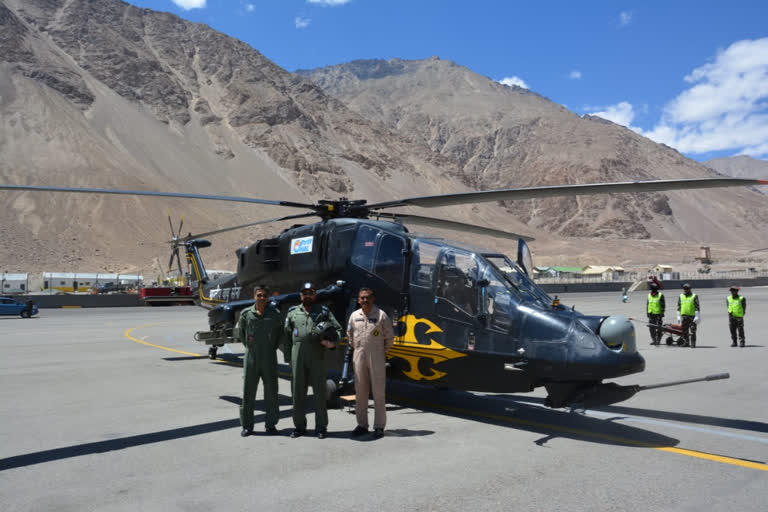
467	318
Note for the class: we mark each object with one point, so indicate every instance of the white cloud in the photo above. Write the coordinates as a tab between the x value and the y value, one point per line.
190	4
250	7
302	22
621	113
514	80
329	3
625	18
575	74
726	108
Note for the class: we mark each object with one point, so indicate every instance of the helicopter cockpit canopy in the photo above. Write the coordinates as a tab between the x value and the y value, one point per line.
515	276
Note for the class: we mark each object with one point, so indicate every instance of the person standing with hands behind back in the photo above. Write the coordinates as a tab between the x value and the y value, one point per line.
371	335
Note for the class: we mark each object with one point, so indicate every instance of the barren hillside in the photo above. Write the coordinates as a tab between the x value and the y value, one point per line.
104	94
99	93
501	136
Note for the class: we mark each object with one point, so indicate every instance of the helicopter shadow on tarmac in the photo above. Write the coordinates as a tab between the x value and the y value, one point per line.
754	426
504	410
517	414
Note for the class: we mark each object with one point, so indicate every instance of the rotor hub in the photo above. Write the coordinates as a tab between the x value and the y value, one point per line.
342	208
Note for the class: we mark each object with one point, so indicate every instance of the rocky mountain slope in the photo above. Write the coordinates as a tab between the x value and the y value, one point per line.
741	166
500	136
99	93
104	94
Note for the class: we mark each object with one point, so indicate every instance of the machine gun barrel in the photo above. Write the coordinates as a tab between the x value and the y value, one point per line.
717	376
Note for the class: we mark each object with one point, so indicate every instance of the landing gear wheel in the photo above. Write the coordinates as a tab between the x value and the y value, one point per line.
669	341
212	353
680	342
24	314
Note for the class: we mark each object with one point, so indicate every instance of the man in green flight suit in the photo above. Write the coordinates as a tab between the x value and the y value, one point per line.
306	336
259	329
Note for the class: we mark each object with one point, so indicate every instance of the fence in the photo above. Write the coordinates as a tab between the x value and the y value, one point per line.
631	277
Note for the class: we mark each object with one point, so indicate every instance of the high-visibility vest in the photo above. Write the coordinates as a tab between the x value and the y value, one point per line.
736	306
654	303
687	305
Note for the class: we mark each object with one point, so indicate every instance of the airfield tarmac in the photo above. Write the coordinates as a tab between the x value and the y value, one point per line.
117	409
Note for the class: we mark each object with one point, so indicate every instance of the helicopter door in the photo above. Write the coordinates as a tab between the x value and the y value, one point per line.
382	256
456	293
524	258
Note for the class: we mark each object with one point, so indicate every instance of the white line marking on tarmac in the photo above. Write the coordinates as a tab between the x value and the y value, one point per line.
677	425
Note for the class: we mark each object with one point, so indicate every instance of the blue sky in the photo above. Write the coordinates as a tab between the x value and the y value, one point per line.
690	74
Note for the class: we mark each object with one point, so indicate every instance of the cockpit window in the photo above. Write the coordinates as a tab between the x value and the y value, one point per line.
365	246
423	264
520	282
390	261
456	281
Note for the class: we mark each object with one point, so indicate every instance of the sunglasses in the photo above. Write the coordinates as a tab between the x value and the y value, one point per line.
261	295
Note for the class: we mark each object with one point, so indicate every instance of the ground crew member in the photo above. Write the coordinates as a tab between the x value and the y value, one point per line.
737	308
305	346
656	306
371	335
259	329
688	309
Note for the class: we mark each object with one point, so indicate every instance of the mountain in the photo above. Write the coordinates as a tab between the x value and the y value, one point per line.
741	166
103	94
500	136
99	93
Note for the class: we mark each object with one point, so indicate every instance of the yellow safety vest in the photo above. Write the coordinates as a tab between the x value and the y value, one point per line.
654	304
687	306
736	306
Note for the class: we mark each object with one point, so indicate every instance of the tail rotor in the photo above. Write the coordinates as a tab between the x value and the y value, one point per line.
175	242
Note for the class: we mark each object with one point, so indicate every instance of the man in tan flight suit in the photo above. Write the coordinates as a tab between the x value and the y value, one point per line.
370	335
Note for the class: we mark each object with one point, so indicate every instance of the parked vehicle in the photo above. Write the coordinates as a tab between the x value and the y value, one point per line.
11	306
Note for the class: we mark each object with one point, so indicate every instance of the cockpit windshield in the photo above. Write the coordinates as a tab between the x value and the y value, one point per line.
516	277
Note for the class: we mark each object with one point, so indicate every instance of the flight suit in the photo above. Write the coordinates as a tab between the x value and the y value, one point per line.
261	335
371	336
307	355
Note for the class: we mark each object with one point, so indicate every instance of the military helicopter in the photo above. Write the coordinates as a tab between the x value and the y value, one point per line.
468	318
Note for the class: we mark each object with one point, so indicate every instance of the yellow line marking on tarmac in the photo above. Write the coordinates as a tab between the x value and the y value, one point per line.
127	334
506	419
596	435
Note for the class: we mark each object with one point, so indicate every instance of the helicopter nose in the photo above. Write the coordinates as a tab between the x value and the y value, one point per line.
618	334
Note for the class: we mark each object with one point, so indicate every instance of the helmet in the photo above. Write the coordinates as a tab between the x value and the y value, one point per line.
307	286
326	331
654	286
686	286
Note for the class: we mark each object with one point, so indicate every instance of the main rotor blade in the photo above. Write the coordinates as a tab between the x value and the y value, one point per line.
758	250
430	222
565	190
224	230
181	224
181	195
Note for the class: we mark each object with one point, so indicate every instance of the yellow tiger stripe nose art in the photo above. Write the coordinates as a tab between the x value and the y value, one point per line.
408	347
